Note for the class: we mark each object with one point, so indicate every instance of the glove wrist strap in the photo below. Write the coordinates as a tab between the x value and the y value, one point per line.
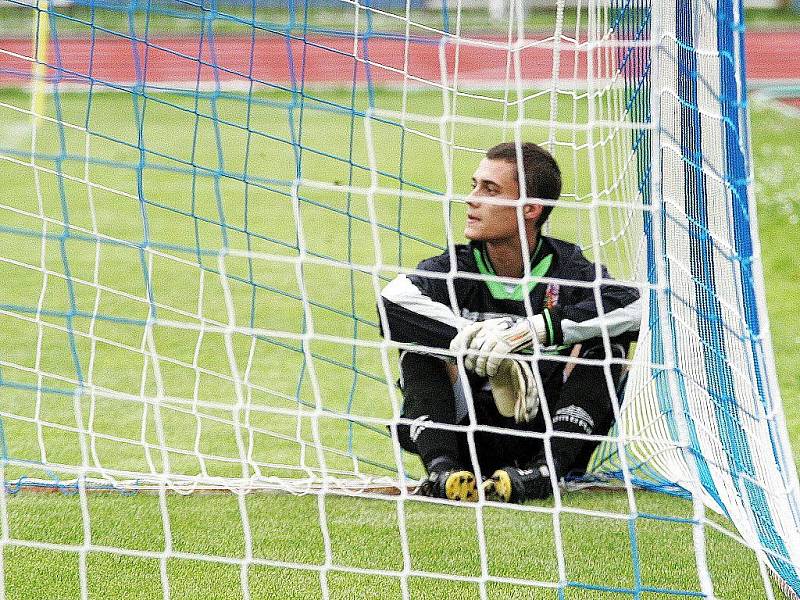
538	328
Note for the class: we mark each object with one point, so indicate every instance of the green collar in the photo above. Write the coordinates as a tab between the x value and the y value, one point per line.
504	291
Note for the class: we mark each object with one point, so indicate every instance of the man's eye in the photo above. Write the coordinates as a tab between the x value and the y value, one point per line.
474	185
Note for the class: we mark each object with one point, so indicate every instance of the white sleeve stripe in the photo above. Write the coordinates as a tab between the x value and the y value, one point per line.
404	293
616	322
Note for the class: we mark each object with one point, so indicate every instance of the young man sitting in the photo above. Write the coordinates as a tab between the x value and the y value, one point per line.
488	326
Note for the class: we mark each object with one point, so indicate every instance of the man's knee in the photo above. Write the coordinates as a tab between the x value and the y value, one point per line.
415	366
428	397
596	351
585	403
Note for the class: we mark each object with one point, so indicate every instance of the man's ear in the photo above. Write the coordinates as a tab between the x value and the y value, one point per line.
532	211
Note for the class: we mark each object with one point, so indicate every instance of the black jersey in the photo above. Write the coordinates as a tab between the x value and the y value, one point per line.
428	310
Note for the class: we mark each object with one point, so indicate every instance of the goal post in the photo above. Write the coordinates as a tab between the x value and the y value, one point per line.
202	205
708	323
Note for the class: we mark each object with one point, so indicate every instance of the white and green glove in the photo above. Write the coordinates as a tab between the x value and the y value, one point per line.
515	391
487	343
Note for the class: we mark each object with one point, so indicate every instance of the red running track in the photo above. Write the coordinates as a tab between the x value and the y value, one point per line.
332	60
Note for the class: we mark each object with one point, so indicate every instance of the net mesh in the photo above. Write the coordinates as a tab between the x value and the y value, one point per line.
205	201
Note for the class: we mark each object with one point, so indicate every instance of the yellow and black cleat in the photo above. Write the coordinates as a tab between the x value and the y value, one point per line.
516	485
451	485
498	487
460	486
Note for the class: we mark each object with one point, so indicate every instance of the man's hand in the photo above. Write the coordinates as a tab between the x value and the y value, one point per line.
464	339
487	343
515	391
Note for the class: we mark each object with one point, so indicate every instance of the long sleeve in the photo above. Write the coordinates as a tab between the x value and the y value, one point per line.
580	318
418	311
418	308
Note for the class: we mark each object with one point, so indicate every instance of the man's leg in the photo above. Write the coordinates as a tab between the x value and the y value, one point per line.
582	405
429	399
585	406
495	450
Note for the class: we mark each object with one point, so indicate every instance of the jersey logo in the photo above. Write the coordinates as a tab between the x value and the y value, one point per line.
551	295
575	415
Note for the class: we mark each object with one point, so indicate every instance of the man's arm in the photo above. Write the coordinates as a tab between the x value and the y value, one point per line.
418	310
415	314
488	342
581	319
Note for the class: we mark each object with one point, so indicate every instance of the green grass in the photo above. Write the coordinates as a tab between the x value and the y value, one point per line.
364	534
184	211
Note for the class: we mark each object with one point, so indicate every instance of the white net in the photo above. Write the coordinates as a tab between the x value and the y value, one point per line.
203	204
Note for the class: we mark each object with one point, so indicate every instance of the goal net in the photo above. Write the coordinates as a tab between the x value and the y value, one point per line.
201	204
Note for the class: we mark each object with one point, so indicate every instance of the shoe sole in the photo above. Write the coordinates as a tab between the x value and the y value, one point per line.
460	486
498	488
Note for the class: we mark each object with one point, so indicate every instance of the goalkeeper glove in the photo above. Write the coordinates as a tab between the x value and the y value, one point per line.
515	391
489	342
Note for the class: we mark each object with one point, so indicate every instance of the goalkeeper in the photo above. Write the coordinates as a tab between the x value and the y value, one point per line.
494	326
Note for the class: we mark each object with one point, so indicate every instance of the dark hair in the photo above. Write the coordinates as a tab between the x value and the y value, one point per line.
542	175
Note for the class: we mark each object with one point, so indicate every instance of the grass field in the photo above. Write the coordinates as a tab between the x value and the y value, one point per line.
189	207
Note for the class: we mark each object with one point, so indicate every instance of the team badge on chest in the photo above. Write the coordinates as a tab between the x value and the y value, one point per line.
551	295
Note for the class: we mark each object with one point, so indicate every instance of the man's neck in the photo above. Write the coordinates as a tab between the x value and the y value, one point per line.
506	255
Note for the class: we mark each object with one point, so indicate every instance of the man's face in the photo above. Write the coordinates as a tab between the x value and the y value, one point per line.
486	222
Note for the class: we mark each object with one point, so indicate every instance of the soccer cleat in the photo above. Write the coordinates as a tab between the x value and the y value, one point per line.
498	487
452	485
512	484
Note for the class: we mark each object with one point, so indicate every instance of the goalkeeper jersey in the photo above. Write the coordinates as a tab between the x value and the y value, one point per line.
425	309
